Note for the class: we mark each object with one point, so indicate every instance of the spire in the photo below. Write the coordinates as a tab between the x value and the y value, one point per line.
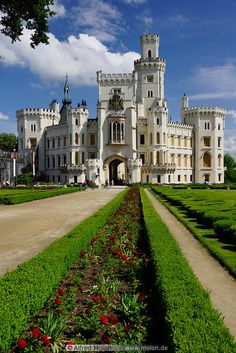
66	89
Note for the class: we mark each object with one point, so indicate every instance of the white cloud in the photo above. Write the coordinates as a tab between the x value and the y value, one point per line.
80	57
134	2
216	82
173	21
231	113
59	9
98	18
230	143
4	117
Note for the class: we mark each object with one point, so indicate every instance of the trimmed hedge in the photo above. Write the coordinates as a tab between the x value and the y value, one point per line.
194	325
35	195
24	291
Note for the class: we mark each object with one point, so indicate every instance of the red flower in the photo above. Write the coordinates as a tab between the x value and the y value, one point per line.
61	291
58	301
46	339
90	257
83	253
22	343
135	253
100	307
113	319
112	237
35	331
69	342
126	328
124	257
141	298
104	319
106	339
81	288
59	311
95	299
102	298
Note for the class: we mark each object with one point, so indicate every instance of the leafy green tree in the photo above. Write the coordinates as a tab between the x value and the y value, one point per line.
34	14
8	142
25	179
230	173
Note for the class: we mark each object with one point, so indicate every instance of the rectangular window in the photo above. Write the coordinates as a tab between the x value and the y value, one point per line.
92	155
142	157
179	141
172	158
59	142
218	126
185	141
33	143
179	178
33	127
207	141
149	78
219	177
191	178
179	160
64	141
185	160
172	140
93	139
142	139
219	141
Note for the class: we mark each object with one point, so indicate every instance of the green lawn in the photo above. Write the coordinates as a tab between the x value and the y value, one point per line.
209	215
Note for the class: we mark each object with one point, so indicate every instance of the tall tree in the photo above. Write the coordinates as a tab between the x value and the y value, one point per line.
230	164
34	14
8	142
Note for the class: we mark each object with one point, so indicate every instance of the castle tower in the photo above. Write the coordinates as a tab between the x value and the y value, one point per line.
149	46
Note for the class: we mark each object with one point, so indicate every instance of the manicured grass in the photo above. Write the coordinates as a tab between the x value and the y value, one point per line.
177	202
194	325
25	290
15	196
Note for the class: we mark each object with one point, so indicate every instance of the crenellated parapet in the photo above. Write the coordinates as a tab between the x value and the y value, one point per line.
114	78
173	124
29	112
156	63
204	111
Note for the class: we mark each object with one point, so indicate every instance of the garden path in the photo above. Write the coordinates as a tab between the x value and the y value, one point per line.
213	277
27	228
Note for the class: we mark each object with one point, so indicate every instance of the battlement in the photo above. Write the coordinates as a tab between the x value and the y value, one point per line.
212	111
36	111
114	77
149	38
178	125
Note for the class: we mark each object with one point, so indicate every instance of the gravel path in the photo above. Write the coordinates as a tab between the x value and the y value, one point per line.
213	277
27	228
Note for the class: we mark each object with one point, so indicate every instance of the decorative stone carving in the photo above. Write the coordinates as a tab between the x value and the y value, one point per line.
116	103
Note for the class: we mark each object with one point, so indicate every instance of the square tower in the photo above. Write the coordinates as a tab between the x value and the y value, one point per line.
149	46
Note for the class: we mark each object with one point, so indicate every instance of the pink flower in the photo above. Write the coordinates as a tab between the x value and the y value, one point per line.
22	343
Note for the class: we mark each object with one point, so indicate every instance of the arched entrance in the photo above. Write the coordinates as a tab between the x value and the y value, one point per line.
116	170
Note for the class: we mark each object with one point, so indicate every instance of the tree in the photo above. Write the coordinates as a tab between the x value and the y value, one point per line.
33	14
8	142
230	173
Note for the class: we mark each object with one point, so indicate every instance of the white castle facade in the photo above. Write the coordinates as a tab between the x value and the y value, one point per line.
132	139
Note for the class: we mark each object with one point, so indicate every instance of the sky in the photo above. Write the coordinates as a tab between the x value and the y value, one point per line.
197	40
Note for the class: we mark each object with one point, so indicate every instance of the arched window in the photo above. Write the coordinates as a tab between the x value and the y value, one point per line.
76	138
158	157
149	54
150	138
116	132
219	158
164	137
151	157
76	157
76	122
206	160
158	138
82	139
82	157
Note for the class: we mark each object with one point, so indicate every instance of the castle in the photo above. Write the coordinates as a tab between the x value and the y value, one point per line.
132	139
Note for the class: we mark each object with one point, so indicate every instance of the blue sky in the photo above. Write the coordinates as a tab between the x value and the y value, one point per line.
197	39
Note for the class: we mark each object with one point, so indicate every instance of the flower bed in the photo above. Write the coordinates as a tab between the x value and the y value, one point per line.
25	290
105	296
